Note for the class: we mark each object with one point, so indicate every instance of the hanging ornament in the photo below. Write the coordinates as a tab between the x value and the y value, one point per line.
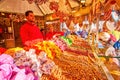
114	13
112	2
54	6
107	14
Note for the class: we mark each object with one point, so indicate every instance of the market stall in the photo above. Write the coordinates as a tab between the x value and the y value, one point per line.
62	63
93	54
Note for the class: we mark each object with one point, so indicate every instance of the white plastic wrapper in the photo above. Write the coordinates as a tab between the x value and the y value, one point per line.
115	15
111	52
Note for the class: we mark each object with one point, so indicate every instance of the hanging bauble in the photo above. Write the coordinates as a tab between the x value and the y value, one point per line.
113	2
54	6
107	14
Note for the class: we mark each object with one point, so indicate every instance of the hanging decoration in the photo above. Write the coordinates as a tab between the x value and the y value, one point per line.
54	6
93	7
107	14
114	13
97	7
112	2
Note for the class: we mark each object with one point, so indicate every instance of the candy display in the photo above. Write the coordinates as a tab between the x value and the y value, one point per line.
67	40
9	71
76	46
28	61
50	48
76	67
61	58
60	43
59	39
38	64
11	51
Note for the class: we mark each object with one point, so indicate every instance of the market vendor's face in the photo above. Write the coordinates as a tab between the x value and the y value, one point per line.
30	17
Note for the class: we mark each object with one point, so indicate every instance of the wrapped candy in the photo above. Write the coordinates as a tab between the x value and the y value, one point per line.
117	45
12	51
2	50
47	67
46	63
9	71
6	59
60	43
67	40
54	6
115	15
104	36
50	48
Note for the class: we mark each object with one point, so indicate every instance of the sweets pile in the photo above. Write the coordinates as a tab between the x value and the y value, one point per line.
30	59
71	67
51	60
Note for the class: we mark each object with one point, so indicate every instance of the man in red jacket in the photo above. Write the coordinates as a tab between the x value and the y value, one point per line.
29	31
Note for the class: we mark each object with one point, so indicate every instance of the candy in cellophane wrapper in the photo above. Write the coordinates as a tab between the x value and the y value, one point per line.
117	45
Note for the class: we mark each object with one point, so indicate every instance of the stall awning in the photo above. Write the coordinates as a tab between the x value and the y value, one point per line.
19	6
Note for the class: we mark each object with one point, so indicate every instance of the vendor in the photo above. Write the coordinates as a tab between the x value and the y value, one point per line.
29	31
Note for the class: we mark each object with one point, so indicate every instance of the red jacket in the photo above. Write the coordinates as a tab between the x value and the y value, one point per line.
30	32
